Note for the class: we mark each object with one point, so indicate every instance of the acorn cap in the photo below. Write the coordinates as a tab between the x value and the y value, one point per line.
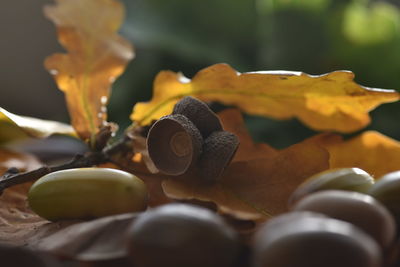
200	114
174	144
218	151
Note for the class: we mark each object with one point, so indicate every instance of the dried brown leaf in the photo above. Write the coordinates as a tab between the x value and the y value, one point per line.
17	221
96	240
259	185
232	121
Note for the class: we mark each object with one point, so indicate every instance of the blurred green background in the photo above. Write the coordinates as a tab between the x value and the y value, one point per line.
313	36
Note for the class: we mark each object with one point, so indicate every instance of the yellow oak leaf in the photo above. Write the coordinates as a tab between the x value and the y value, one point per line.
14	127
331	101
96	56
371	151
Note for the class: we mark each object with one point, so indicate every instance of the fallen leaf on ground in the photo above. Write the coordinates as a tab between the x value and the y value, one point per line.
97	240
258	186
96	57
17	221
254	189
331	101
14	127
371	151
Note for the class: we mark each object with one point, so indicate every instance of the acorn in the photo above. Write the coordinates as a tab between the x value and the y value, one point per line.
218	151
84	193
348	179
356	208
174	144
311	241
200	114
387	190
182	235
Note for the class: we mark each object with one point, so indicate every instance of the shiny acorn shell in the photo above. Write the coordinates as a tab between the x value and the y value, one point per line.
305	241
356	208
174	144
86	193
387	190
349	179
182	235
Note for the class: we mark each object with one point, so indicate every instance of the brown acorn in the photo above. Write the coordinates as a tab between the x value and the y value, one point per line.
200	114
174	144
181	235
218	151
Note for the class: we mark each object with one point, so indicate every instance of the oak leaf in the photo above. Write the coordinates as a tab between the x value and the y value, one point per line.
13	127
96	57
371	151
232	121
331	101
96	240
256	187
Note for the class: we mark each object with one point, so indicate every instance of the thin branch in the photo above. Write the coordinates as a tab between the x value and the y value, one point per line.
119	153
13	177
115	153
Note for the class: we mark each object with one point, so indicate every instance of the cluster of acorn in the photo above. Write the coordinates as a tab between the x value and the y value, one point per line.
337	218
191	138
340	217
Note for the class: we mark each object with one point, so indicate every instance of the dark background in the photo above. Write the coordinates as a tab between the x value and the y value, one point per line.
313	36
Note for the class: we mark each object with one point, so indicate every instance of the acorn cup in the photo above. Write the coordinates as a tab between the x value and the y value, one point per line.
174	144
218	151
192	139
200	114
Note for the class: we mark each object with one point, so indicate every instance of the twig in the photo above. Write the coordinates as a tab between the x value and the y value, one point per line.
13	177
116	153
